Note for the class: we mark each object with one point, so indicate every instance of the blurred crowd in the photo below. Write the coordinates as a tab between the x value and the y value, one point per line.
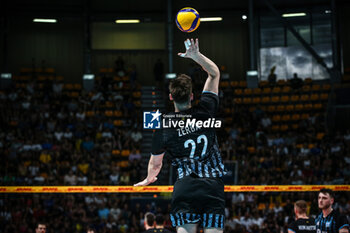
308	155
124	213
47	138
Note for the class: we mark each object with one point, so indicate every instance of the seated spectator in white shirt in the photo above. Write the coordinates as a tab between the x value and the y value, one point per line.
114	177
70	178
82	180
37	147
39	179
57	88
266	121
278	208
237	198
257	220
80	115
33	169
58	135
107	134
246	220
68	134
136	136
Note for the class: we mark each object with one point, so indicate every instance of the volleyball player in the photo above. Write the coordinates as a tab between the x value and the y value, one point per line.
198	196
329	220
303	223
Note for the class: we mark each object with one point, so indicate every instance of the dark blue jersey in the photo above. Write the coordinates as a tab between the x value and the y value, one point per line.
303	225
193	150
332	223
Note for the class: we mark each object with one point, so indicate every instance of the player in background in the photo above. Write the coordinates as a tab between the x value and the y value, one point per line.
302	223
198	196
329	220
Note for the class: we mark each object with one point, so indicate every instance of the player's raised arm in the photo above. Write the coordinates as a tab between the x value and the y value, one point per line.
192	51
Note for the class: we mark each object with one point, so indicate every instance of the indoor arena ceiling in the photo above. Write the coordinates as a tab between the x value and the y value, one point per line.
155	8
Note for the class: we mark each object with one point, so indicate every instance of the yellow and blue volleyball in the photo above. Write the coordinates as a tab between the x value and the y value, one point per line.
187	19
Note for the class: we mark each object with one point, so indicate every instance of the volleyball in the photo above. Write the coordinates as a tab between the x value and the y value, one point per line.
187	19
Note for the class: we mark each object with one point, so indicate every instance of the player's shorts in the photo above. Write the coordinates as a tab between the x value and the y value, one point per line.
198	200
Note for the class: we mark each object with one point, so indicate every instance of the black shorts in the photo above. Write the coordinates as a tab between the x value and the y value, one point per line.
198	200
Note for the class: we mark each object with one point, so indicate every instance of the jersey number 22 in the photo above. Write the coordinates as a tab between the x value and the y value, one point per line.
200	138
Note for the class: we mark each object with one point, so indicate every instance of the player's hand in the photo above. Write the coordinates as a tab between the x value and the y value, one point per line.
192	49
146	182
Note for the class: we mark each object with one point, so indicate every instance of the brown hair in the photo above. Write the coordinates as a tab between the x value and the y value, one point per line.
40	223
327	191
181	88
302	206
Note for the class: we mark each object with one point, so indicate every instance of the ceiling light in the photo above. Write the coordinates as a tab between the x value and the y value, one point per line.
127	21
244	17
294	14
211	19
45	20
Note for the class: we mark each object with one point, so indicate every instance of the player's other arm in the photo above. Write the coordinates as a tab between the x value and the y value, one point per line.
192	51
343	224
156	159
154	166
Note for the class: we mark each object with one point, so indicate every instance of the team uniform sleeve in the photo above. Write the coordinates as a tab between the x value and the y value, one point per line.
293	226
342	222
158	146
210	101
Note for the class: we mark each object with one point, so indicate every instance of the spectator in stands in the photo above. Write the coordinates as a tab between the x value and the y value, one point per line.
278	208
40	228
296	82
70	178
266	121
125	178
57	88
136	135
272	76
133	74
160	224
88	144
90	230
119	67
114	177
149	222
134	155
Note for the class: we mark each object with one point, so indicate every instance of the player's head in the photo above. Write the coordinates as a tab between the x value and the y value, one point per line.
300	208
149	220
159	220
181	91
325	198
90	230
40	228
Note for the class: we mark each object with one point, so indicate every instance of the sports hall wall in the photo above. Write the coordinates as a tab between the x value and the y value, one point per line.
61	46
